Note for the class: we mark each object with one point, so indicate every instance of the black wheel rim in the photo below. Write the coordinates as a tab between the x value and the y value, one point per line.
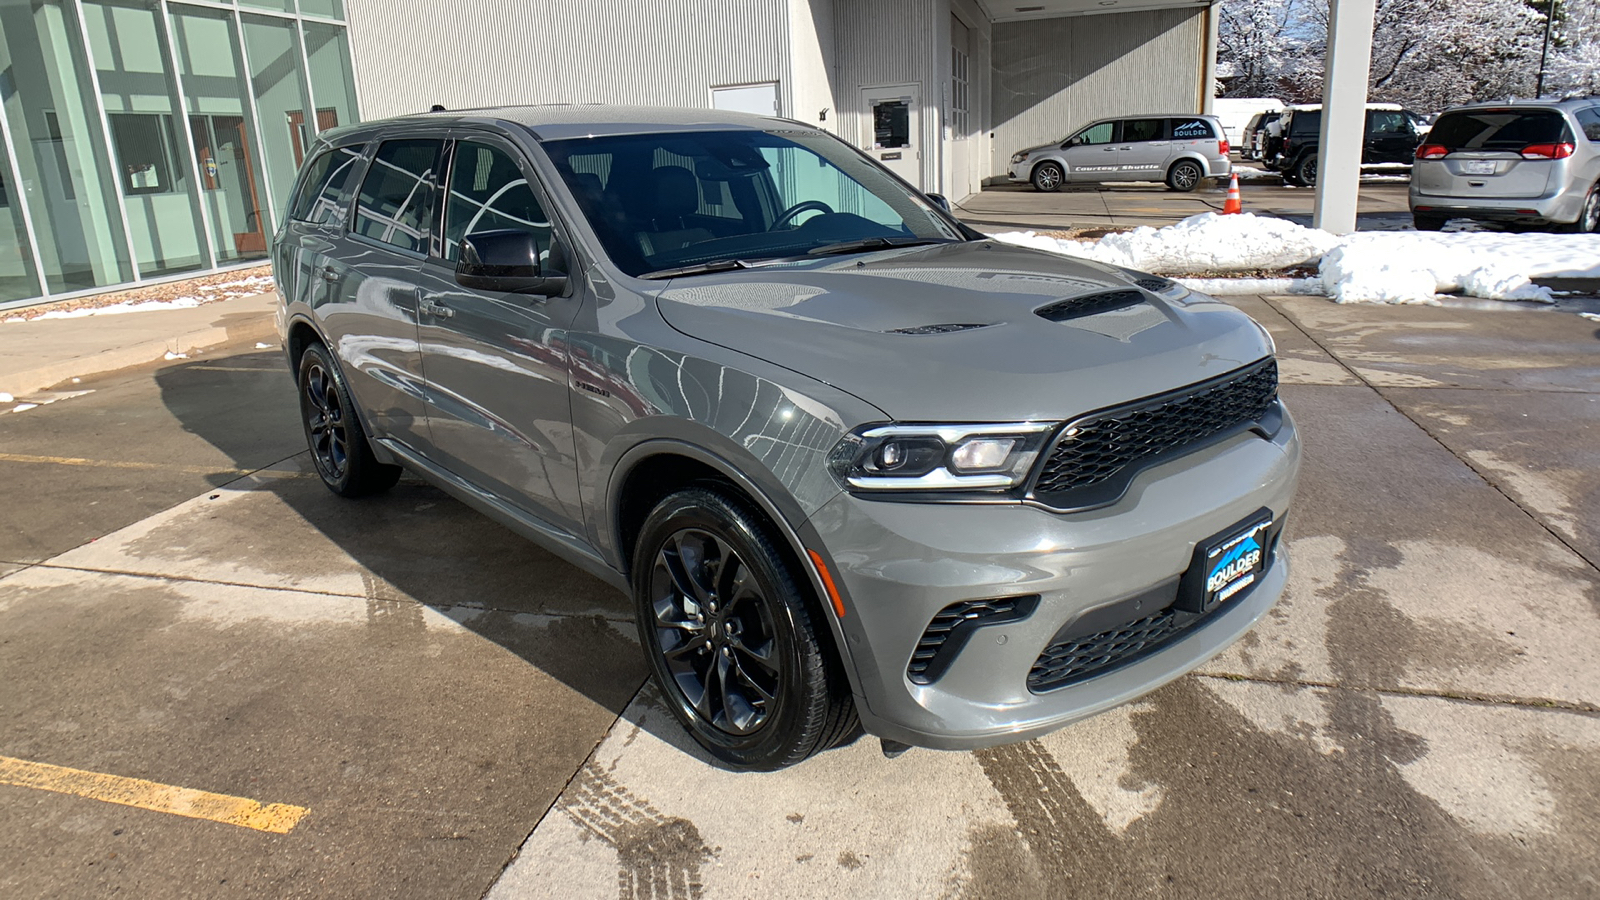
715	632
325	423
1309	175
1186	176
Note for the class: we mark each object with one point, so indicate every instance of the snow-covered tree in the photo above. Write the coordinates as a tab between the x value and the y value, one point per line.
1261	45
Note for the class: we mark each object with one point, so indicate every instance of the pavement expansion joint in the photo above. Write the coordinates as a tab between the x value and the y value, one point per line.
1478	699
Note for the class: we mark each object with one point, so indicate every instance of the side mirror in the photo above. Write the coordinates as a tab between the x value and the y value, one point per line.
940	199
1069	143
507	261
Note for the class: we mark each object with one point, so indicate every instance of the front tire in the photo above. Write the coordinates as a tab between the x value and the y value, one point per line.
732	638
339	449
1184	175
1048	177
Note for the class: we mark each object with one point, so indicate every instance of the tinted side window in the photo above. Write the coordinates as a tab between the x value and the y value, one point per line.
325	193
1192	129
396	204
1306	122
1388	121
1097	134
1144	129
1589	121
489	193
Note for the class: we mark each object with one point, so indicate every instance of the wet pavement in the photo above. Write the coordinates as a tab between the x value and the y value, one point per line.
462	714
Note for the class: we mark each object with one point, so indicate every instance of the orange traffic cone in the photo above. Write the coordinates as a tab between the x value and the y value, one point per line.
1233	204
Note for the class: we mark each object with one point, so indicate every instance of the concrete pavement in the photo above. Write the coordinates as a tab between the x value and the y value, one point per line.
1419	717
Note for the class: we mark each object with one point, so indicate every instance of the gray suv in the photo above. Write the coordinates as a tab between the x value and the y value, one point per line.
857	465
1527	163
1182	151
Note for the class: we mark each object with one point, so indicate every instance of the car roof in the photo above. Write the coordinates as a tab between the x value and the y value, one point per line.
1571	103
553	122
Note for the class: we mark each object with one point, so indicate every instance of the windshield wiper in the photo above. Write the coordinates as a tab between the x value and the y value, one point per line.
874	243
715	265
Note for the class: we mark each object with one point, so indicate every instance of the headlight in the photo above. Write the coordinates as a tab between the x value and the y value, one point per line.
1019	157
985	457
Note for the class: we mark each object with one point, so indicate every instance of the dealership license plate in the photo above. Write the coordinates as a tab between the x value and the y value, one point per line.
1234	563
1477	167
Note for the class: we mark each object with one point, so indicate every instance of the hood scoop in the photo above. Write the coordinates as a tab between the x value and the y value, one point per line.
1089	305
945	328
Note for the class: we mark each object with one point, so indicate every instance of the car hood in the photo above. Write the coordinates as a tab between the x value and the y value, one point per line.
836	320
1041	148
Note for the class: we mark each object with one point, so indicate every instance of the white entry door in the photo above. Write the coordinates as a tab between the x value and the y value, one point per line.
893	130
761	99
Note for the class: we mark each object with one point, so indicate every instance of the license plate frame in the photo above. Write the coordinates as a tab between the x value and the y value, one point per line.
1477	167
1227	564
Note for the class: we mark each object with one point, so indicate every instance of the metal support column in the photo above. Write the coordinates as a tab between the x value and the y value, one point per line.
1344	114
111	145
183	114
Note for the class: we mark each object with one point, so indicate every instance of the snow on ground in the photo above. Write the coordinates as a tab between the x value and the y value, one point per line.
243	287
1366	267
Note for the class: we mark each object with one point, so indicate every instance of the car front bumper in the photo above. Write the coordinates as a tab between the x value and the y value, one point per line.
900	564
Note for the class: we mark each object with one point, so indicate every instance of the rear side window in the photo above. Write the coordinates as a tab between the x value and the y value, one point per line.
1307	121
1143	129
397	196
1499	129
1589	121
489	193
325	193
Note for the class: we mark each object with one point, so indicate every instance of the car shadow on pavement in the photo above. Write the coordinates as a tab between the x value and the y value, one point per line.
412	554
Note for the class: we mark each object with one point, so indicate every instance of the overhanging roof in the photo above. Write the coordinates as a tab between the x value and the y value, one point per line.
1022	10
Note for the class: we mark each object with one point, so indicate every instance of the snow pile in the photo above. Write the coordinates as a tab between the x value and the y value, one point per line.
1203	243
1367	267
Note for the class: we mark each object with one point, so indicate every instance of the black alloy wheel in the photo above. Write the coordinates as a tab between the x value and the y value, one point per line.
1048	177
339	448
735	639
1184	175
1306	172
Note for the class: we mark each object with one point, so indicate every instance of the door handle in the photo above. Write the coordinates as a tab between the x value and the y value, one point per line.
1108	149
436	309
329	275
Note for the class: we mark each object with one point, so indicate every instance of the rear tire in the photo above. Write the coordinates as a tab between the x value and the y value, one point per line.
733	638
1185	175
1589	218
339	449
1305	172
1428	223
1048	177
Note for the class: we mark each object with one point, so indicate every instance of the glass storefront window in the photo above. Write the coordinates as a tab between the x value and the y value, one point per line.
279	5
225	143
273	47
56	130
147	140
18	280
332	85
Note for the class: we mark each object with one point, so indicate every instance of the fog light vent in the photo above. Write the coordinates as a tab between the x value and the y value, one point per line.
949	631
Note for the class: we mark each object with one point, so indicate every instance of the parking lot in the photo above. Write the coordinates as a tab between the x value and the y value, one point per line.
440	709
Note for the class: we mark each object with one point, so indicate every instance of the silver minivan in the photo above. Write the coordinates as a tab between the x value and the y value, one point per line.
1533	163
1180	150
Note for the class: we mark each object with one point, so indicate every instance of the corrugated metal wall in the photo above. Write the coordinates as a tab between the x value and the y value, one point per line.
410	54
1053	75
878	43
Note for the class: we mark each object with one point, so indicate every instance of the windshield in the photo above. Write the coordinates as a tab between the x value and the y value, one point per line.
1499	129
675	201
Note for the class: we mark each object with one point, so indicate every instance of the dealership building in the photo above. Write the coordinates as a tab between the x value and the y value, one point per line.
151	139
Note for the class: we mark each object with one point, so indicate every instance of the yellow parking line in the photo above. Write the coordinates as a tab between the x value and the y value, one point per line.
277	818
127	464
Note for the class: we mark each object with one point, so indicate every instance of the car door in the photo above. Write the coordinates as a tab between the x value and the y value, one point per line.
365	293
1142	150
497	364
1090	154
1390	137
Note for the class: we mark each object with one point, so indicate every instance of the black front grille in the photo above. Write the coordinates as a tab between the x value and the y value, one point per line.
1096	456
1077	307
944	637
1078	658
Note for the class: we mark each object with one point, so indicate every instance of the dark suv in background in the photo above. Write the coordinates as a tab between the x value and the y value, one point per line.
1533	163
1391	137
